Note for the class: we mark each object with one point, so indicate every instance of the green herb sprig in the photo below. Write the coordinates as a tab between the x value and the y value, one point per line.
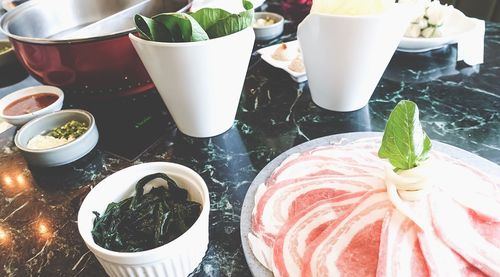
204	24
405	143
146	221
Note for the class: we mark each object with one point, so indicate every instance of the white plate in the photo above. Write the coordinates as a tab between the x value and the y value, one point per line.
255	266
267	52
458	25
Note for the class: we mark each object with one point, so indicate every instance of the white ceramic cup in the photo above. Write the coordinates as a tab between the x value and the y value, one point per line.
200	82
345	56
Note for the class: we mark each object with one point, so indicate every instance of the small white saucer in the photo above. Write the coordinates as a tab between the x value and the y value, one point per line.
267	52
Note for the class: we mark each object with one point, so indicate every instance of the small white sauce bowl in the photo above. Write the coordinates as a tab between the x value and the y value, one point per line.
269	31
176	258
22	119
65	153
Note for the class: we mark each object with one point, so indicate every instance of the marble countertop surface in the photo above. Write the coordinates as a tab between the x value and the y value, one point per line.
460	106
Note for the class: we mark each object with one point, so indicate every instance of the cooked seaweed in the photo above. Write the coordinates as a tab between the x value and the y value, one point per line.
146	221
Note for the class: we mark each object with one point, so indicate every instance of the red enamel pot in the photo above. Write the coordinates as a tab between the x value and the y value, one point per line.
82	46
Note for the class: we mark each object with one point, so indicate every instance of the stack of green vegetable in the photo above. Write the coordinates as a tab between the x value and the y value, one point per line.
146	221
204	24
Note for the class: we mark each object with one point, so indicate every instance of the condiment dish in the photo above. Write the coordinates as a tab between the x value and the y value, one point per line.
62	154
24	117
294	47
176	258
270	31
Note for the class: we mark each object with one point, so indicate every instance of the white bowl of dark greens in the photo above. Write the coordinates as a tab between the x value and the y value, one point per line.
149	219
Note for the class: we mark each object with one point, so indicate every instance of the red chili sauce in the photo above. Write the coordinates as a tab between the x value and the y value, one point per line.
29	104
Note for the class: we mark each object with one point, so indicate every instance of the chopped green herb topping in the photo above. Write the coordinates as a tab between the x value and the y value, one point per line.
72	129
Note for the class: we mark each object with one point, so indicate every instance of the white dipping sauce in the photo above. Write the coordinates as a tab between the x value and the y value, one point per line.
41	142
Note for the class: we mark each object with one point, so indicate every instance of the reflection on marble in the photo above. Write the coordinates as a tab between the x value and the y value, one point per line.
38	207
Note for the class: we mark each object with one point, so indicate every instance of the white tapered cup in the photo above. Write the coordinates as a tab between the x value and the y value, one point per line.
345	56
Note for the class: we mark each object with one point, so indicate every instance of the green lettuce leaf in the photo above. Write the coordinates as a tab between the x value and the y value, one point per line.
405	143
183	27
207	17
201	25
151	29
219	23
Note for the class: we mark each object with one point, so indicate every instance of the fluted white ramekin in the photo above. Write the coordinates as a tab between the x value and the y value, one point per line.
177	258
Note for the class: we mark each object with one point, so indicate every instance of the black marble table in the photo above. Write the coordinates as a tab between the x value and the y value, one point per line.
460	105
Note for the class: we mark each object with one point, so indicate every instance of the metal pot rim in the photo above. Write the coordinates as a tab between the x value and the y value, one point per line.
6	18
65	41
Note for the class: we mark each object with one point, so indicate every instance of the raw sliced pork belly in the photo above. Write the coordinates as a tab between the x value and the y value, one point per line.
279	203
399	251
315	166
350	247
470	187
301	230
456	228
326	212
306	178
346	160
442	260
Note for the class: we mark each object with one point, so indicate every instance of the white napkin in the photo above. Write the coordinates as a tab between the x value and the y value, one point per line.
470	45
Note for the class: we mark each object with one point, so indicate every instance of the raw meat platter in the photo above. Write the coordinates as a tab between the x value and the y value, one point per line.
268	174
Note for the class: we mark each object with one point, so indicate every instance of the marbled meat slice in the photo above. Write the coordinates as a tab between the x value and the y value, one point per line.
399	251
468	186
441	260
352	159
455	226
301	230
274	205
350	247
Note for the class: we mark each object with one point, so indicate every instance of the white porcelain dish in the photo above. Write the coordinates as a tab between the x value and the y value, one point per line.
177	258
269	31
63	154
267	52
22	119
457	26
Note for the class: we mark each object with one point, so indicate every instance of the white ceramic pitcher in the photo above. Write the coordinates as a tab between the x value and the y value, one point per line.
345	56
